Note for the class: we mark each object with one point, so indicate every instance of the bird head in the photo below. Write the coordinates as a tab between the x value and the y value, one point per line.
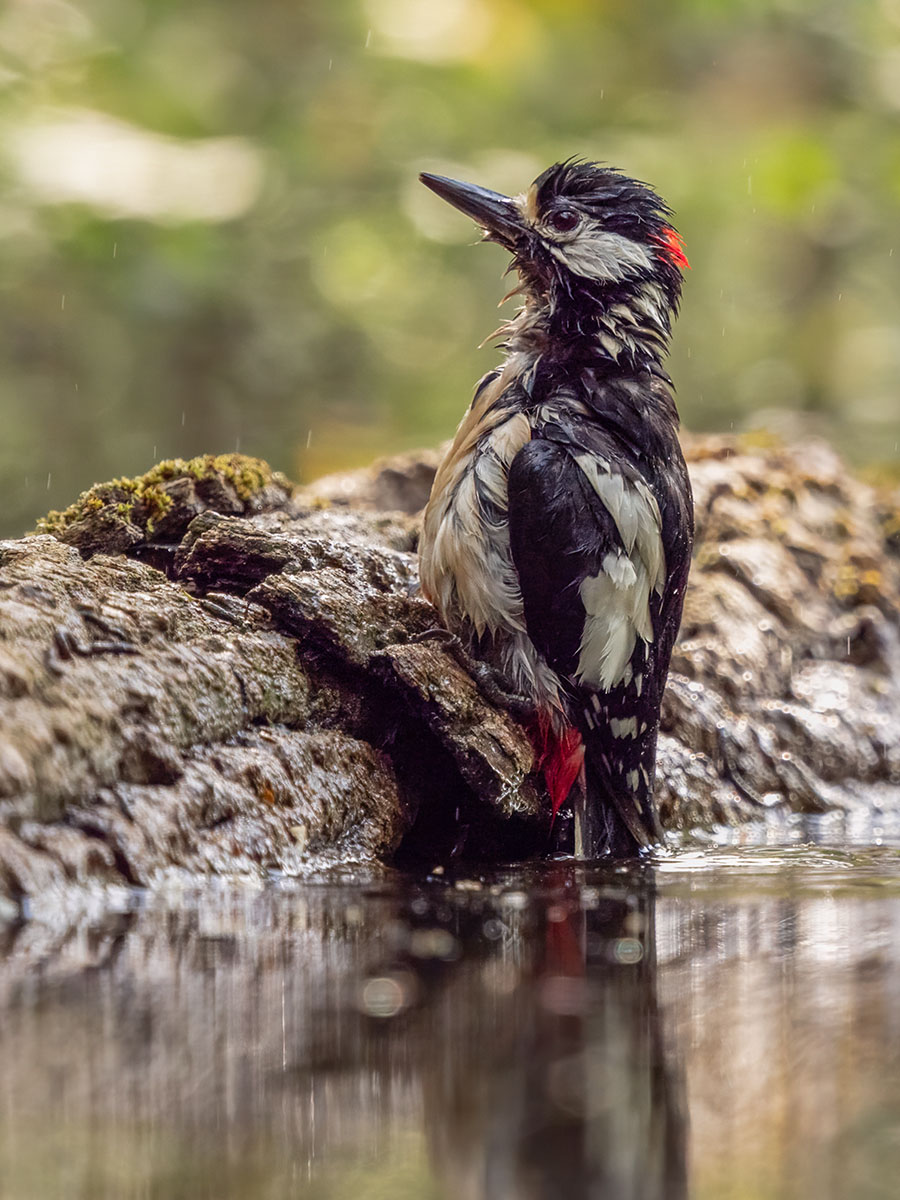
583	237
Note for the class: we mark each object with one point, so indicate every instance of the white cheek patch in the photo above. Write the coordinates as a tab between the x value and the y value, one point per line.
597	254
617	599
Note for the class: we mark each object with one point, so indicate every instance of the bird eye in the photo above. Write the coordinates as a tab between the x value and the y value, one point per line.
564	220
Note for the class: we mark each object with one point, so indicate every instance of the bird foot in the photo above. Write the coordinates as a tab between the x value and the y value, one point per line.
492	683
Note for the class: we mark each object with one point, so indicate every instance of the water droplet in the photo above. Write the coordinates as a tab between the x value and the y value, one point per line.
628	951
385	996
433	943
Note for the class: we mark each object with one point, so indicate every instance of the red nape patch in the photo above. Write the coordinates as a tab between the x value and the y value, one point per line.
560	757
674	246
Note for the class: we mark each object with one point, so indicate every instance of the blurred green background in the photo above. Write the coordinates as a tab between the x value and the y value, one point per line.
211	234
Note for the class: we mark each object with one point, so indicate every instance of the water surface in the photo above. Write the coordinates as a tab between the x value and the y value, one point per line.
719	1024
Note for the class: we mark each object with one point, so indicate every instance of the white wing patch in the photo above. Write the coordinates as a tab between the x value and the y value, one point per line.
617	599
634	509
621	727
616	608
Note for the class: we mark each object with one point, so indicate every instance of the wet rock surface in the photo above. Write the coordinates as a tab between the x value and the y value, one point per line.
206	670
785	680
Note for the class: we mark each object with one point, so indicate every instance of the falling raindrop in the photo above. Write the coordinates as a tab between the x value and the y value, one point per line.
283	1030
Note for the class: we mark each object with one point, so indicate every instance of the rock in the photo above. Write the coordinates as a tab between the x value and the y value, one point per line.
786	674
206	670
127	513
401	483
486	744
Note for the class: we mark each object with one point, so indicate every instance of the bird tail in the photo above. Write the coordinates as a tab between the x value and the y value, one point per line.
620	815
611	786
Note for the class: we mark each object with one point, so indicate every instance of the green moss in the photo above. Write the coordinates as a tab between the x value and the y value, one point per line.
247	475
145	500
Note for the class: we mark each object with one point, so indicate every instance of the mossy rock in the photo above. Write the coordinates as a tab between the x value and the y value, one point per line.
123	514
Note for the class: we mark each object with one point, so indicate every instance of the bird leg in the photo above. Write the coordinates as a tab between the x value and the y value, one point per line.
492	683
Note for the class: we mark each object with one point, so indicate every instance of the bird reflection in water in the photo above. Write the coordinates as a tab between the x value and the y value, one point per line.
497	1038
534	1021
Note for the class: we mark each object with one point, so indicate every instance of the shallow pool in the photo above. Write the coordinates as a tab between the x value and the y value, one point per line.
720	1023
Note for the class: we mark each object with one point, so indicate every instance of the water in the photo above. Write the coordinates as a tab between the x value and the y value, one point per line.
720	1024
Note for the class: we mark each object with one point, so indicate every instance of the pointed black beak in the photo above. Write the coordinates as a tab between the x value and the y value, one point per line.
496	213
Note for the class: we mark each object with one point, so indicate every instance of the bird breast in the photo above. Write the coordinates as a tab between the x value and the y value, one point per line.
465	563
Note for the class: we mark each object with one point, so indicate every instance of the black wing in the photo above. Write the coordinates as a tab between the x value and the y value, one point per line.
561	532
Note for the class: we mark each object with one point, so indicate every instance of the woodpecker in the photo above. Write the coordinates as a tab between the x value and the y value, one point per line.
557	539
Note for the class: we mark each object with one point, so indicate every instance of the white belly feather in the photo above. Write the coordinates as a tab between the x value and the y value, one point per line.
465	560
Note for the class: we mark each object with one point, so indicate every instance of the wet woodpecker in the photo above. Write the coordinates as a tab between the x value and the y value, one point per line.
557	539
